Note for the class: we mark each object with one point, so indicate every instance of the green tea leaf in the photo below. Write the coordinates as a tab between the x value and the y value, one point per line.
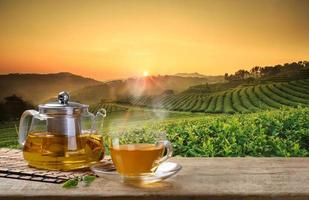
71	183
88	179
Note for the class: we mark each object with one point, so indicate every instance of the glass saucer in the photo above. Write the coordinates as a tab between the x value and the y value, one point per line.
164	171
105	171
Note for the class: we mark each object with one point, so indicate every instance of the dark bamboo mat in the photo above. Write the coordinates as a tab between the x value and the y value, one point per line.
12	165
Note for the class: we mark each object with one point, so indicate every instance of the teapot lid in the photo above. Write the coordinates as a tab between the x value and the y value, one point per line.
63	106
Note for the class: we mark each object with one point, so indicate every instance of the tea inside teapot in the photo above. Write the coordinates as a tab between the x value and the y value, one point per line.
50	151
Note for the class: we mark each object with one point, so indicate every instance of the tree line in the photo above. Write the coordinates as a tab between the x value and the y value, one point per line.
12	107
257	72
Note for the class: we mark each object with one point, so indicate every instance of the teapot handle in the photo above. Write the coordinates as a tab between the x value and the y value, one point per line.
24	125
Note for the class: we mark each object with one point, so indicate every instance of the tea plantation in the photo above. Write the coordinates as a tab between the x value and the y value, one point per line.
283	132
109	107
242	99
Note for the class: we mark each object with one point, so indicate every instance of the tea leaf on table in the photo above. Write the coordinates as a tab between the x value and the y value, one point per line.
71	183
87	180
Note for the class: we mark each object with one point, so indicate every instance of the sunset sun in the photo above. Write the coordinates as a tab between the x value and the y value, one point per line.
145	73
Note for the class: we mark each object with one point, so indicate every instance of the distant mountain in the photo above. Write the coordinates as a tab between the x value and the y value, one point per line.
210	79
37	88
191	75
152	85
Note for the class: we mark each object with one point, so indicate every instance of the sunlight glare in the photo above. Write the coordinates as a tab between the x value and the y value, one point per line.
145	74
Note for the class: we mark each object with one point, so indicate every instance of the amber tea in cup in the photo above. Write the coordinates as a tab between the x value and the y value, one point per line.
137	154
136	159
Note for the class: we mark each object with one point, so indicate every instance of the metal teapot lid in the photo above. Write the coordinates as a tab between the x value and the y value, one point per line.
63	106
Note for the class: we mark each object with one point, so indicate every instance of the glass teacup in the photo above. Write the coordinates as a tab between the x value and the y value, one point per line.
137	154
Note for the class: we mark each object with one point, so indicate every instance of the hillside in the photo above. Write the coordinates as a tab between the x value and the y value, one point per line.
37	88
152	85
241	99
211	79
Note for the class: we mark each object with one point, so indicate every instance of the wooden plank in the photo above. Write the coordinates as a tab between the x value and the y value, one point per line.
210	178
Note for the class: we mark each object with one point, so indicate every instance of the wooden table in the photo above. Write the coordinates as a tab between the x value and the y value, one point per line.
200	178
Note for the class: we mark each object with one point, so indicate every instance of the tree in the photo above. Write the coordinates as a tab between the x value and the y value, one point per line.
255	71
288	69
3	114
270	70
226	76
242	74
13	107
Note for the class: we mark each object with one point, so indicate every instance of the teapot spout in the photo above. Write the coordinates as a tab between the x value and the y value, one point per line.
98	120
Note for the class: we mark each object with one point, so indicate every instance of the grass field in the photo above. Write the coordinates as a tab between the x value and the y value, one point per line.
8	134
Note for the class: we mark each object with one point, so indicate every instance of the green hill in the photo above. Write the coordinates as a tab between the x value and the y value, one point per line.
242	99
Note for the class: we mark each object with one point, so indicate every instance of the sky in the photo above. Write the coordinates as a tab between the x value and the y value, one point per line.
107	40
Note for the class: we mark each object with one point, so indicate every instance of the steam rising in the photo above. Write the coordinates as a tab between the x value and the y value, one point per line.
138	89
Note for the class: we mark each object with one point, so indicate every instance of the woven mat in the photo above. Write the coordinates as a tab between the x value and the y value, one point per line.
12	165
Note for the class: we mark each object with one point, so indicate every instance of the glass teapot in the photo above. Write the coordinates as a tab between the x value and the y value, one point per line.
62	135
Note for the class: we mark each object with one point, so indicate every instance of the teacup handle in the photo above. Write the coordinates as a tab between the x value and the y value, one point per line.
169	151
